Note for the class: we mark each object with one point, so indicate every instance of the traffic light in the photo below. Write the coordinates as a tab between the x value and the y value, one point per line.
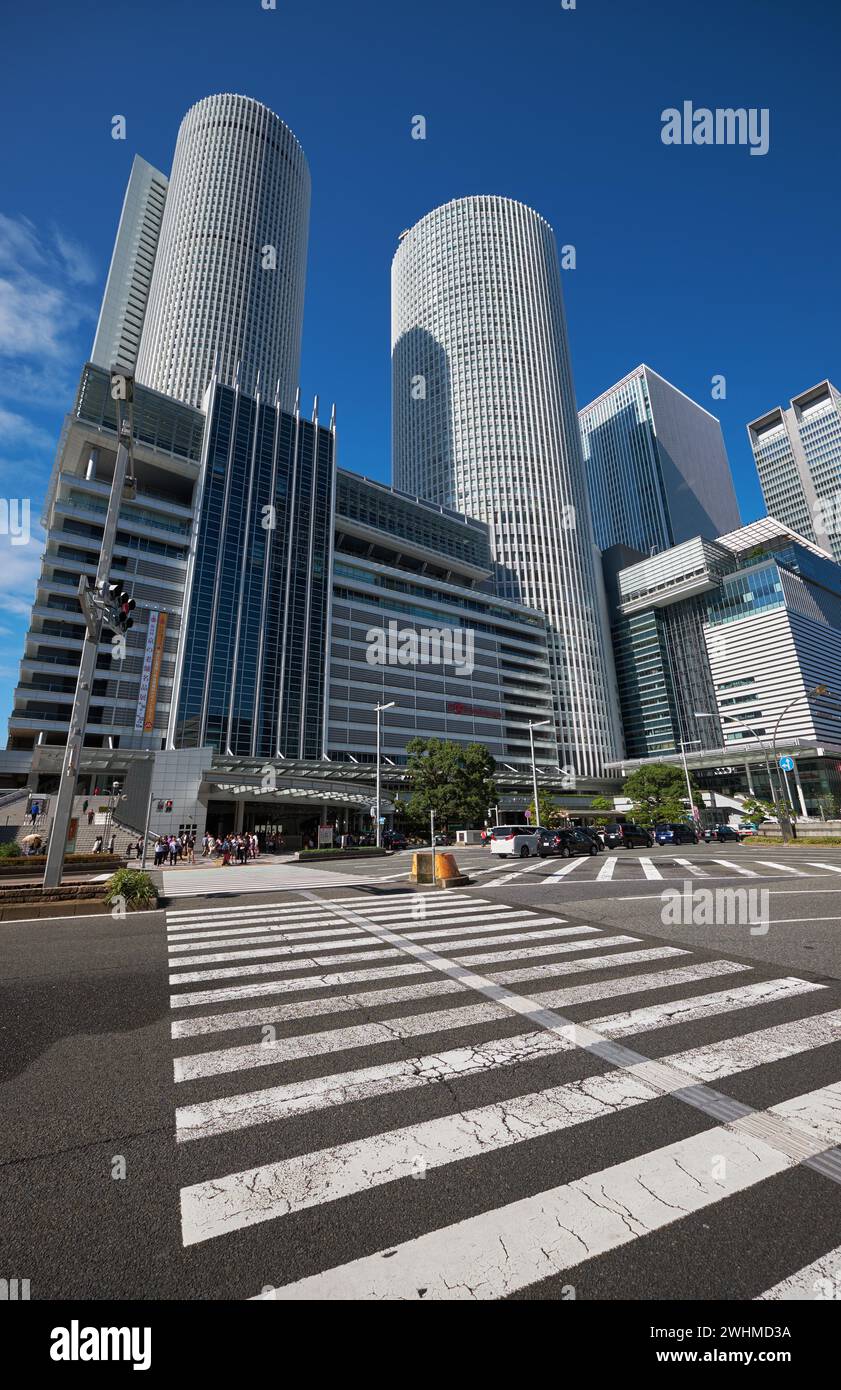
168	806
122	606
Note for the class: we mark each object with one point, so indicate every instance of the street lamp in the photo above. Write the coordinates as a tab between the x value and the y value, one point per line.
735	719
815	692
379	709
532	726
684	744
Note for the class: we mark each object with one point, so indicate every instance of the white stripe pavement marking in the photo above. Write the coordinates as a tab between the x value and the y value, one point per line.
264	1193
241	910
785	868
301	984
280	1102
518	873
302	918
693	868
360	953
737	868
391	1030
566	868
366	999
196	883
649	869
833	868
608	868
749	1050
506	1249
217	1207
516	918
699	1007
819	1280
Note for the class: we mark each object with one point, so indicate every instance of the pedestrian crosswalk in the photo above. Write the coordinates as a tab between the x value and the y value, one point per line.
614	868
410	1097
253	878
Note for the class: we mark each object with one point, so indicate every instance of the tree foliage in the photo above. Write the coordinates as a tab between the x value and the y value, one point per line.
452	779
658	793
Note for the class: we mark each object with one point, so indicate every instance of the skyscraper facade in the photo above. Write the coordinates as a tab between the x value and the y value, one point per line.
126	297
484	422
657	467
798	459
227	288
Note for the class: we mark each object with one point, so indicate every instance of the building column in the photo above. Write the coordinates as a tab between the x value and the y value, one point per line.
239	816
751	789
800	795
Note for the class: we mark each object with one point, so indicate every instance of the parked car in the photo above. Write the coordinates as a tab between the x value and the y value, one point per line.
626	836
519	840
443	839
394	840
593	834
725	832
675	833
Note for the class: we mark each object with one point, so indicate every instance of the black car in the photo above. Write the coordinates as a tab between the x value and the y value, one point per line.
594	836
394	840
675	833
576	840
725	832
626	836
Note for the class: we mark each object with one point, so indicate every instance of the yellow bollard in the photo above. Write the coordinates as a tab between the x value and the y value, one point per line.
447	873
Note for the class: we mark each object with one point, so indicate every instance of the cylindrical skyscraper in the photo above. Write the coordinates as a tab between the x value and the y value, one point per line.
228	282
484	421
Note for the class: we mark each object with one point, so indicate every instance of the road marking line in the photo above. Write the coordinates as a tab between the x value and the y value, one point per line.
833	868
299	984
301	920
786	868
607	870
373	998
566	868
268	1054
649	869
264	1193
737	868
360	953
251	1108
507	1249
819	1280
693	868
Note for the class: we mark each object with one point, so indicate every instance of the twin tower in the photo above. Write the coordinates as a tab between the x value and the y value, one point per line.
484	416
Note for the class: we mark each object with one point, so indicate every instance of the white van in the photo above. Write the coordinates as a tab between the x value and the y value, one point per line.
519	840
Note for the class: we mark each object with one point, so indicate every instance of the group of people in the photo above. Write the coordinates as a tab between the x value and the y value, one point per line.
173	848
231	848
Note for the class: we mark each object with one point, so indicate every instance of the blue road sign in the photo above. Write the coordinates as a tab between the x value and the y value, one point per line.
787	763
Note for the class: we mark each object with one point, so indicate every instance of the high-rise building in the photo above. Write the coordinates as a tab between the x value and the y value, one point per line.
656	465
484	422
798	458
126	297
721	645
228	283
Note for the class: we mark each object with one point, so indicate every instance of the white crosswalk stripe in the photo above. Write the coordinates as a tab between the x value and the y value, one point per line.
833	868
608	869
692	868
819	1280
258	878
649	868
784	868
294	1036
737	868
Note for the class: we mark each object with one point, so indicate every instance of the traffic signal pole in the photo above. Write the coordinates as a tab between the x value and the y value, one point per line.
90	647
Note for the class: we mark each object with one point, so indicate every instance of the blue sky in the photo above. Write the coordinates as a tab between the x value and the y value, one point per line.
701	261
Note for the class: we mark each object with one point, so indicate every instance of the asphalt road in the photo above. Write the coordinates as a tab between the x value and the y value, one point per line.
531	1085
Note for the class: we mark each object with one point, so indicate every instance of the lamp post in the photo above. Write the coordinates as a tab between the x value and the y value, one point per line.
734	719
532	727
684	744
379	708
96	608
813	693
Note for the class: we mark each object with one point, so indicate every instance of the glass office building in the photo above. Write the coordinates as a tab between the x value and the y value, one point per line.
657	468
798	459
251	669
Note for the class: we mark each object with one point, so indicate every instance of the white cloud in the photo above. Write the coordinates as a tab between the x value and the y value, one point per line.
17	429
20	566
78	264
41	307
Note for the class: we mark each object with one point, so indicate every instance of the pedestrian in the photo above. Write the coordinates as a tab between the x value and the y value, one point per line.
90	817
139	847
97	844
111	844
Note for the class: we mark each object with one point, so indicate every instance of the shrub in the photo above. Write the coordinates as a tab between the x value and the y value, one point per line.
133	885
10	849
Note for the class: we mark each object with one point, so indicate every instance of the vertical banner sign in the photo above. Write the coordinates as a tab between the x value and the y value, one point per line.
147	697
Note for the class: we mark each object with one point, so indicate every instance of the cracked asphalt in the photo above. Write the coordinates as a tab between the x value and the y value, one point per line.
329	1114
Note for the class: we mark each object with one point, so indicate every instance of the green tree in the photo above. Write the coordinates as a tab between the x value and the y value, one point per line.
547	810
452	779
829	805
604	808
657	793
